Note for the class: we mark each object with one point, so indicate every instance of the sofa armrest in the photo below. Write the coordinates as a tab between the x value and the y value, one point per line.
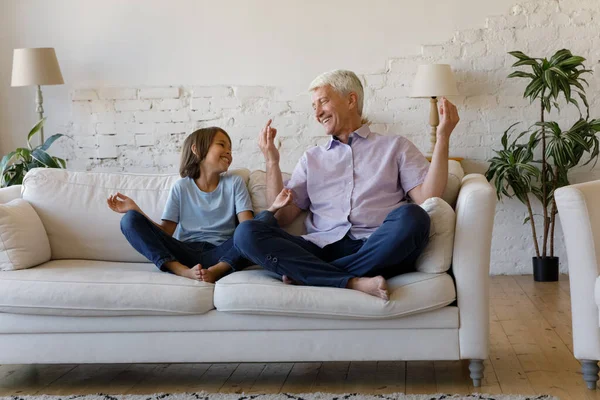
580	220
475	210
10	193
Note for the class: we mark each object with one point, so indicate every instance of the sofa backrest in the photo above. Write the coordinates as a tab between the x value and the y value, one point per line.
257	187
73	209
10	193
79	224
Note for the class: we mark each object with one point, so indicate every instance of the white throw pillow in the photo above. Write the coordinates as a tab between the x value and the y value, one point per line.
23	239
437	256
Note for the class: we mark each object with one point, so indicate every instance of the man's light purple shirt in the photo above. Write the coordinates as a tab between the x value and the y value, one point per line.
353	187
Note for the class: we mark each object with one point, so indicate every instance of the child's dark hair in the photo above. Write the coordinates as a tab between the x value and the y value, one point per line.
202	138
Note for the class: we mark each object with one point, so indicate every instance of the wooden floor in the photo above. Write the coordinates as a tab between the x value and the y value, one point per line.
530	353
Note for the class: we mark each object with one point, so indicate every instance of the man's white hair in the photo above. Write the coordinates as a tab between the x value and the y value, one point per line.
343	82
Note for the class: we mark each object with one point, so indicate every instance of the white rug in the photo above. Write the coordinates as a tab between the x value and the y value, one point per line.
287	396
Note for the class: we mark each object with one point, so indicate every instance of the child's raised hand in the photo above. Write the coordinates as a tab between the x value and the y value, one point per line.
284	198
121	203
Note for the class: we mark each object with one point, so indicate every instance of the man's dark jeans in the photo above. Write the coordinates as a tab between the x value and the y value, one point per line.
391	250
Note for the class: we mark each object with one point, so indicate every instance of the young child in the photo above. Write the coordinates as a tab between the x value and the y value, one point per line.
197	225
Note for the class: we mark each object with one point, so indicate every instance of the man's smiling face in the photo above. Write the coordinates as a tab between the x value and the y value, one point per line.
332	110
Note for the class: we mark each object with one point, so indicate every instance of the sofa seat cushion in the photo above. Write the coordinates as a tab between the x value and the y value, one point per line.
262	292
99	288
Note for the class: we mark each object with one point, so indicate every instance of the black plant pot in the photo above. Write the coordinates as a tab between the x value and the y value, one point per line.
545	269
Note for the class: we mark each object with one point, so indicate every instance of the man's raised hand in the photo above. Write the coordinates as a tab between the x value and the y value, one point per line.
266	142
448	119
284	198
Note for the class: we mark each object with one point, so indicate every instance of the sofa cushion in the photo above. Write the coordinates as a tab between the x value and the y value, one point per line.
97	288
23	239
437	255
72	207
262	292
257	186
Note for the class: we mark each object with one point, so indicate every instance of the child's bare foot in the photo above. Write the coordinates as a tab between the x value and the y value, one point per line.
214	273
376	286
193	273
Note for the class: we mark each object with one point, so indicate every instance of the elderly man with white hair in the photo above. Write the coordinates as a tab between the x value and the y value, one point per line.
363	192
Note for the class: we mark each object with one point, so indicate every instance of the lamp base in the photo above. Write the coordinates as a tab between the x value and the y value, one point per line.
39	109
434	121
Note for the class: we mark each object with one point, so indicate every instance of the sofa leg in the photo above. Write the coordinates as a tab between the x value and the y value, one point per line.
476	368
590	372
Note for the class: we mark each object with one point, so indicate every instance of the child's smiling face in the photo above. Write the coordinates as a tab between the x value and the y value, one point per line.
219	153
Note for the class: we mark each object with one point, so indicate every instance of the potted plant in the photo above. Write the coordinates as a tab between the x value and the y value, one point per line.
516	170
15	164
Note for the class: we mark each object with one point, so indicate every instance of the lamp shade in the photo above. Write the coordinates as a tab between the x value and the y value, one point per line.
37	66
434	80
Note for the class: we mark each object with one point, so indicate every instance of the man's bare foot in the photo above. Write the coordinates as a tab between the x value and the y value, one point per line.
285	279
376	286
193	273
214	273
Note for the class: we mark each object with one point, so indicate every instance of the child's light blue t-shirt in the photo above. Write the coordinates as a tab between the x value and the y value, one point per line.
206	216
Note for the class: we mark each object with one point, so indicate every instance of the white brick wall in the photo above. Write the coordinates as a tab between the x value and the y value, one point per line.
211	91
117	94
132	105
84	94
201	104
141	129
159	93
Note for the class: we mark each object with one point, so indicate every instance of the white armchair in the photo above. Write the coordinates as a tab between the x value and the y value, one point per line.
579	211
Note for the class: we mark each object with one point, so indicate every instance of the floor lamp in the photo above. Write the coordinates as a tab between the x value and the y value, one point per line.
36	66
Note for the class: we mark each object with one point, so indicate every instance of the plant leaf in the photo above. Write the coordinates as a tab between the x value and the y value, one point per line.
518	54
62	162
534	87
525	62
560	56
34	130
6	160
44	158
575	60
50	140
558	71
521	74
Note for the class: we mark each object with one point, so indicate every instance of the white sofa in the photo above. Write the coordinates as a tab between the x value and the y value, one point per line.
580	220
96	300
